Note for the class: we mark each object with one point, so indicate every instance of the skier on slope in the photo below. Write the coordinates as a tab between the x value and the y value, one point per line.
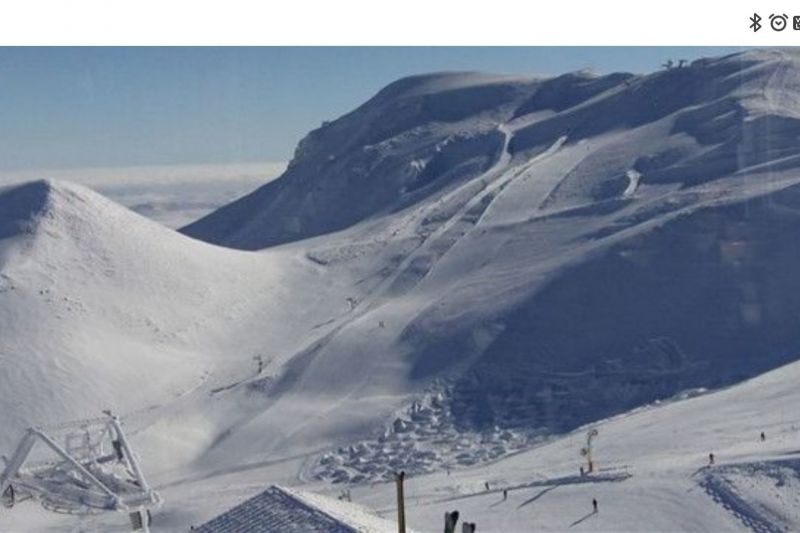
594	504
710	458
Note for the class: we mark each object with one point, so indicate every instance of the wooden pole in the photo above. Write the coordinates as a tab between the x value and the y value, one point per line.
401	504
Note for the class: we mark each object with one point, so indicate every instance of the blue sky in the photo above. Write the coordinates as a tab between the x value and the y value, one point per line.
100	107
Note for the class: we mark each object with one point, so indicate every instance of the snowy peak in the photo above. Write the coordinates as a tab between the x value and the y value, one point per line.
21	206
94	297
426	134
40	216
27	208
410	103
36	195
469	85
375	158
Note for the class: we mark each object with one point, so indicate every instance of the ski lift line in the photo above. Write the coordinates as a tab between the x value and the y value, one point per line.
72	424
87	423
102	420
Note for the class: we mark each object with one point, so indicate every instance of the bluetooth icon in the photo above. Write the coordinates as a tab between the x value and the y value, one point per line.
755	22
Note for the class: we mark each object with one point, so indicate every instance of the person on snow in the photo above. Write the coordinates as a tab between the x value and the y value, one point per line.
763	437
710	458
594	504
505	494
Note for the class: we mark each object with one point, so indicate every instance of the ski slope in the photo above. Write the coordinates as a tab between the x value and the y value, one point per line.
454	279
652	474
653	471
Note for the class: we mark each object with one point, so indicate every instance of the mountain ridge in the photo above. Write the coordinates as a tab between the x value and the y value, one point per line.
433	237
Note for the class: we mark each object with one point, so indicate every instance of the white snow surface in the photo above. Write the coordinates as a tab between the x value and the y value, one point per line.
454	280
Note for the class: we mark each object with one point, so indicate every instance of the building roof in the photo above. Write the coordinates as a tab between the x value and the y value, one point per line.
282	510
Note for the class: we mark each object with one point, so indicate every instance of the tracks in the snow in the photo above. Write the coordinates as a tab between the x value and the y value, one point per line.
719	483
438	243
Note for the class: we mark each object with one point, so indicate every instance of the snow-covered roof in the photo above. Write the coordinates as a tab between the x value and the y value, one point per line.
279	509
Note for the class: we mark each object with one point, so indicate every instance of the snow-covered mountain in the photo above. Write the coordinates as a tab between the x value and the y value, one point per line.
560	249
460	268
414	138
102	308
423	134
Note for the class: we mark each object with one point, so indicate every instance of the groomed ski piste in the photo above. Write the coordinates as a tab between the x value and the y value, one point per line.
458	279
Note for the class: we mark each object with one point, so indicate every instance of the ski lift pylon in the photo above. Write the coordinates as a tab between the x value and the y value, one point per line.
83	467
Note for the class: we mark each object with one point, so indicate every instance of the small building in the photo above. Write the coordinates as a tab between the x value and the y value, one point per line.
283	510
